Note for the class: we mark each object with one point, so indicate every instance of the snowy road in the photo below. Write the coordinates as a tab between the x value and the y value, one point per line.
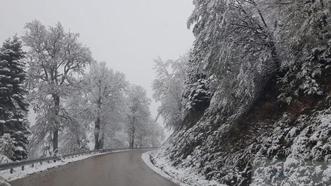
117	169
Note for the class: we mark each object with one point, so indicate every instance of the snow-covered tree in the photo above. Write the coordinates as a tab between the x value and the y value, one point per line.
75	136
306	35
138	113
235	49
7	148
55	59
249	56
13	106
103	97
150	134
168	89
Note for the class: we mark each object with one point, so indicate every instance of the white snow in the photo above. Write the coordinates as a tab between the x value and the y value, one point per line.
308	142
28	169
4	159
6	69
19	148
180	176
3	182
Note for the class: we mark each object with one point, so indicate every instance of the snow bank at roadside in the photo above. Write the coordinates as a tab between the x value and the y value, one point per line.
28	170
3	182
19	173
4	159
180	176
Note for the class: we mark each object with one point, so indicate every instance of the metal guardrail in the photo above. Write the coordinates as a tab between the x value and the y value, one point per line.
12	165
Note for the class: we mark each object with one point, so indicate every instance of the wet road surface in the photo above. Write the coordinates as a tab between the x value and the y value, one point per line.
116	169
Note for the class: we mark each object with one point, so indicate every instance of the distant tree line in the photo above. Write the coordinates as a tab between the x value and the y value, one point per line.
78	103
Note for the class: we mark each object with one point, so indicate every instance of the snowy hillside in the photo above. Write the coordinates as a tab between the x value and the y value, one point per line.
256	104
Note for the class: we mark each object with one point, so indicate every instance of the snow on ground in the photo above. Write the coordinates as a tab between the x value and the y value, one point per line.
28	170
4	159
180	176
3	182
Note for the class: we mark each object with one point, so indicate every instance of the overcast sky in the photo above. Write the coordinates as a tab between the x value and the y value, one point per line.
127	34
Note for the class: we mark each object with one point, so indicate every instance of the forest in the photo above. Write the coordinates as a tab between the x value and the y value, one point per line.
248	104
254	105
77	103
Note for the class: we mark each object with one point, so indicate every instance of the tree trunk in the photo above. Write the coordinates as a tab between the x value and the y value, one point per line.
96	134
2	123
55	141
132	135
1	129
97	128
79	144
132	140
275	57
102	139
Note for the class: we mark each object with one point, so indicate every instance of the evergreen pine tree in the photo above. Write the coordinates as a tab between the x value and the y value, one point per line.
13	107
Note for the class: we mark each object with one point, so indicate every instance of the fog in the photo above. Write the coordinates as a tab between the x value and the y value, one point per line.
127	34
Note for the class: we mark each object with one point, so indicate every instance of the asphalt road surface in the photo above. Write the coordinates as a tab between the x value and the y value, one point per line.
116	169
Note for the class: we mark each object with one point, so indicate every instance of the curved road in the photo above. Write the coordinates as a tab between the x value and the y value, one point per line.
115	169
